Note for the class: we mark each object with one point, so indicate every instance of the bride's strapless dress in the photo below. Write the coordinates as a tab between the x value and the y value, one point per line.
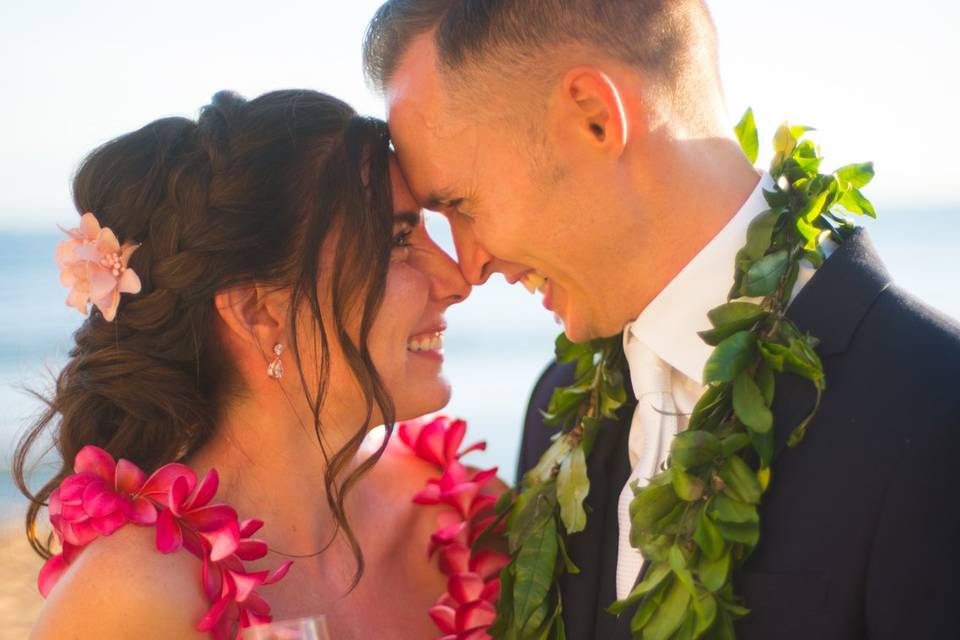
104	495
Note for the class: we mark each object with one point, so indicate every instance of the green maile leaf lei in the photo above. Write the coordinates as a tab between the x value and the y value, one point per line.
697	520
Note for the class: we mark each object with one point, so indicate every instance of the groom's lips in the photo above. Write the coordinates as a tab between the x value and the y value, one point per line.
548	296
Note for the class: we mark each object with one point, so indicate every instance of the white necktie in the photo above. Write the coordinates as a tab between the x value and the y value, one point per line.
652	429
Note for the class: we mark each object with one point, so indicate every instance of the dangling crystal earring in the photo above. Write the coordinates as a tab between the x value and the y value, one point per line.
275	368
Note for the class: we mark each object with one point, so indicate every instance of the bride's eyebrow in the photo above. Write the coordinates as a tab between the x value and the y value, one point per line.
410	218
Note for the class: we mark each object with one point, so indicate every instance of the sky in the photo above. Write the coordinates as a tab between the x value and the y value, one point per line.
878	80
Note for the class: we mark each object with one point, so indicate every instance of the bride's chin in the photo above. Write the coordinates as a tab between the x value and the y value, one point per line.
418	400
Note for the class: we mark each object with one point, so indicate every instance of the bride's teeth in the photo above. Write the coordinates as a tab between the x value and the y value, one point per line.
425	343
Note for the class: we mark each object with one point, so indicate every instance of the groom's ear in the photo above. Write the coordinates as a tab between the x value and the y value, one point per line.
591	109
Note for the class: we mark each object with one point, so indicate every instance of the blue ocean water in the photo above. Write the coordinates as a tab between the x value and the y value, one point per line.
496	345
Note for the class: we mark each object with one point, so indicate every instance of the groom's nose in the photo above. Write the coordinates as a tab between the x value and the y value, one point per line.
476	263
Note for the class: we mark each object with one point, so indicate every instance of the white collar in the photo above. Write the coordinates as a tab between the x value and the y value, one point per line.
670	323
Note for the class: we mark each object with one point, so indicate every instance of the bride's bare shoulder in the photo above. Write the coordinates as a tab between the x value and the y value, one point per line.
120	586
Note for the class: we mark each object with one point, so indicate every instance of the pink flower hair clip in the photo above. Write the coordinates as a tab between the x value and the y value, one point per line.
93	265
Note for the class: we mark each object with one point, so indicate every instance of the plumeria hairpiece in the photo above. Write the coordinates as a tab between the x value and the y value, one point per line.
93	265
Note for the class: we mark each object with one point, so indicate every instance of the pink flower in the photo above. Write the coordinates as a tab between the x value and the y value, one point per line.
104	495
93	265
459	488
468	608
437	440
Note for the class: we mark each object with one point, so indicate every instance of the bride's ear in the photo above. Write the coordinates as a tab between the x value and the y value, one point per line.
254	316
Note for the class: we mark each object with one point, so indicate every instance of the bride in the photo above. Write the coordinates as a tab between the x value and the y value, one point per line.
265	293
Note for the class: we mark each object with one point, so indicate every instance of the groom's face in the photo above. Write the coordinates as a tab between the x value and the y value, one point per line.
509	212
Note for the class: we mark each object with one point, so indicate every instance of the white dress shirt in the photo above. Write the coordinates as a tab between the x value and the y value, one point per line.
666	359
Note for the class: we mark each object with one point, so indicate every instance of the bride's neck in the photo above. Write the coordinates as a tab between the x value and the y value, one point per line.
272	467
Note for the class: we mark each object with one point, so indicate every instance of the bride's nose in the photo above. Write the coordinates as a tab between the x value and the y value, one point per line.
447	284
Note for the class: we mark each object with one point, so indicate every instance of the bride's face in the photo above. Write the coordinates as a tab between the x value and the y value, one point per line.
405	340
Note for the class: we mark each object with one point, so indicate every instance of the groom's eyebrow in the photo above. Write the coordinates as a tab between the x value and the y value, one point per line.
437	201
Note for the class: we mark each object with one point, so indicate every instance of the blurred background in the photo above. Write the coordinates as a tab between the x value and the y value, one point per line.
878	80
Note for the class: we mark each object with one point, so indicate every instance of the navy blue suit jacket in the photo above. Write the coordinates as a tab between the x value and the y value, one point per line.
860	528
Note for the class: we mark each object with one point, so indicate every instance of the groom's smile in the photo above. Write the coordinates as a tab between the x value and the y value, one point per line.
516	204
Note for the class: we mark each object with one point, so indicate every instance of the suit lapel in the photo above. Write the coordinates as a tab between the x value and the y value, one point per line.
830	308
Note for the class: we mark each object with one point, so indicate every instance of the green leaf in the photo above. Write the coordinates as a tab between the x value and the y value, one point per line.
533	508
678	564
730	357
733	443
855	175
706	615
535	565
814	206
777	198
740	479
760	233
855	202
650	604
567	351
809	232
693	448
572	489
814	257
746	131
568	563
784	141
654	577
749	404
713	573
746	533
726	509
649	505
764	275
707	537
710	408
550	460
735	312
687	486
763	444
766	381
797	358
505	605
669	615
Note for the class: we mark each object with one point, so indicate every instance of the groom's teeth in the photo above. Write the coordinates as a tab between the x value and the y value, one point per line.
534	281
431	342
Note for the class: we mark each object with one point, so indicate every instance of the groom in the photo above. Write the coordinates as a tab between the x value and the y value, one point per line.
583	148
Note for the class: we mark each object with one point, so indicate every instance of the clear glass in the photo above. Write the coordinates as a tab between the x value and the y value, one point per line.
313	628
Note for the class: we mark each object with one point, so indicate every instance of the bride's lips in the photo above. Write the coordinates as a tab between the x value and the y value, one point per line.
428	343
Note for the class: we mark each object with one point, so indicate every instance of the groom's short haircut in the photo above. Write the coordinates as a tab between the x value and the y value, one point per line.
671	41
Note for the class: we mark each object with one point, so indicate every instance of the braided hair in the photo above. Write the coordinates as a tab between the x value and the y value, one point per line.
248	193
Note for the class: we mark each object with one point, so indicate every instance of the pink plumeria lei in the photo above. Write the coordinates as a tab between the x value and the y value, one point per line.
104	495
468	608
93	265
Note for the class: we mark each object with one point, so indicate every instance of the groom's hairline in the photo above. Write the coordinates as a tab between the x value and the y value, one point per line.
398	23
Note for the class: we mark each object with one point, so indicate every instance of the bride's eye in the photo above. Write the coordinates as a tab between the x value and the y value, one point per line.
401	245
401	240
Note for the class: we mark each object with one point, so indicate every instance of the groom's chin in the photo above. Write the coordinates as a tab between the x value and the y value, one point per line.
579	330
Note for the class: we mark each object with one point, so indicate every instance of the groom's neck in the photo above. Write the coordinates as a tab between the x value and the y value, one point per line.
686	197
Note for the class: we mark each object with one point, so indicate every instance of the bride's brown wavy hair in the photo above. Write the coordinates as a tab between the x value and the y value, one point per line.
248	193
